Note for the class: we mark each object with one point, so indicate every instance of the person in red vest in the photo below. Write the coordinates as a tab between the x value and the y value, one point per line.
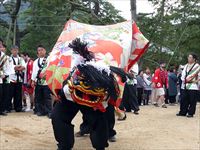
27	89
160	83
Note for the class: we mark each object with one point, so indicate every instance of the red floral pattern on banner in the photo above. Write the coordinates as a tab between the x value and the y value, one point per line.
120	44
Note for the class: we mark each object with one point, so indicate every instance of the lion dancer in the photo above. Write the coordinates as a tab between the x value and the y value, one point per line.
88	88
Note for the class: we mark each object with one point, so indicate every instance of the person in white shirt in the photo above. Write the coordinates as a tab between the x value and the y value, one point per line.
189	86
43	104
4	72
6	80
16	79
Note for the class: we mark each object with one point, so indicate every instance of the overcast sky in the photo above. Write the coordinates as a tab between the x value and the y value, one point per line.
124	6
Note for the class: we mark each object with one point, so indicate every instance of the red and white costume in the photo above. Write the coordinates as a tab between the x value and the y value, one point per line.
27	77
160	79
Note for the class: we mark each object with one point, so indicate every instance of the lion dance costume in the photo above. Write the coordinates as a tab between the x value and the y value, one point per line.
89	88
91	81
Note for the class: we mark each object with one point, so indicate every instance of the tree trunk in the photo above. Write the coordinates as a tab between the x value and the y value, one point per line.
96	7
133	10
14	31
16	39
18	33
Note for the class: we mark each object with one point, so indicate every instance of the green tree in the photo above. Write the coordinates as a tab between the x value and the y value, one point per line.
173	31
41	21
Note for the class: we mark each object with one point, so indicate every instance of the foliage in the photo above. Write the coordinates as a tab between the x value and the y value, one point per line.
173	31
43	20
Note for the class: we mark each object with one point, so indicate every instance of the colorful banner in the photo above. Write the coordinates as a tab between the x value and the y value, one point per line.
119	45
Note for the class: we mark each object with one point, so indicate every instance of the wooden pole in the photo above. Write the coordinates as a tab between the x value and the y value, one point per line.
133	10
8	35
14	33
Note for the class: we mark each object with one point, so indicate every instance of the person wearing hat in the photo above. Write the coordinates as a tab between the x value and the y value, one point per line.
16	79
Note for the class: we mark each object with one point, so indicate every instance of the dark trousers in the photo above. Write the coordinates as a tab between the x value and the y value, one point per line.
62	116
198	95
1	99
147	96
167	96
172	99
43	103
15	94
110	114
181	93
84	126
6	96
139	95
188	102
129	98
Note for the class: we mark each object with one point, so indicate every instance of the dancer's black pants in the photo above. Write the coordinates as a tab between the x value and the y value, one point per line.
84	126
110	111
129	98
62	116
188	102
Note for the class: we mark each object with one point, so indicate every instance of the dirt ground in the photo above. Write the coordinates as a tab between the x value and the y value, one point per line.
153	129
